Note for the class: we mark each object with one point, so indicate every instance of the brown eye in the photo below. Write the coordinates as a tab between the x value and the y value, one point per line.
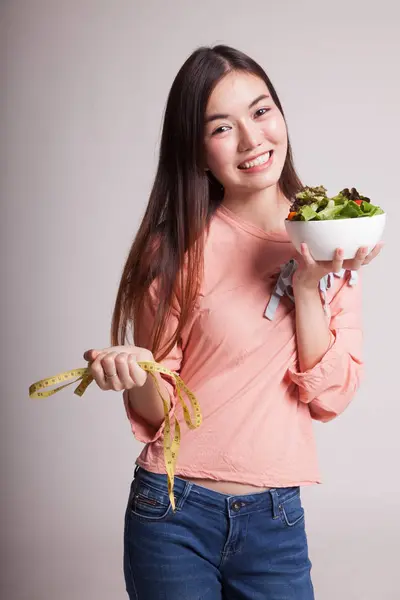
221	129
261	111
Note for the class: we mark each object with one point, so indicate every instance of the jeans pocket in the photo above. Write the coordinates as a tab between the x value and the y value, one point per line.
292	511
148	503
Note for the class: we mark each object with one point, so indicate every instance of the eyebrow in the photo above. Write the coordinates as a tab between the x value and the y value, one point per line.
224	116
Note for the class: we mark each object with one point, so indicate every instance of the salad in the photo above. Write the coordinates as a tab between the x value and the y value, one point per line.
313	204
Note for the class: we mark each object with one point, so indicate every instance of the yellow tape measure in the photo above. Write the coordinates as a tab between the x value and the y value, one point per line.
171	446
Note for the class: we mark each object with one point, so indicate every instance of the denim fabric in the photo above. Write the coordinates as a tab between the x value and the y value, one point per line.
215	546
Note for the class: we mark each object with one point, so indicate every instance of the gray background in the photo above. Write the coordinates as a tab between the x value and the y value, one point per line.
83	89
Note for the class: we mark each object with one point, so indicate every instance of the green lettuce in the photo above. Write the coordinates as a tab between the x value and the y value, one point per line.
313	204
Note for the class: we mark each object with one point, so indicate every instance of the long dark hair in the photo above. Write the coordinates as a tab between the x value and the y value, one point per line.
182	200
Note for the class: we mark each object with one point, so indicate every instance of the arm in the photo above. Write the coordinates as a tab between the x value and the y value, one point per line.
143	405
329	349
312	341
146	403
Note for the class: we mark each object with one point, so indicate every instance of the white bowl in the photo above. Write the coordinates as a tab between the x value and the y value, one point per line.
323	237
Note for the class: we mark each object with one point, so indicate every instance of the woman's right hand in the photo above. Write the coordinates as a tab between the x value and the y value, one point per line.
117	368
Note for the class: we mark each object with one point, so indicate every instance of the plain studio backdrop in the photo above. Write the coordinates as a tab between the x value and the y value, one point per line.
83	90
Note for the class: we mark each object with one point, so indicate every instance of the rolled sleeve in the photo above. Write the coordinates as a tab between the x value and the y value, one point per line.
331	384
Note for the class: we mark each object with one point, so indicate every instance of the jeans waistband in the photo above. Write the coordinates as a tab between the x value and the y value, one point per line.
246	503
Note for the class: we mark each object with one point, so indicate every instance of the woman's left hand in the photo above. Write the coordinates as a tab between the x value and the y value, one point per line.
310	271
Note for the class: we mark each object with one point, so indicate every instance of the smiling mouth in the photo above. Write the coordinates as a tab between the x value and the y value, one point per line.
260	160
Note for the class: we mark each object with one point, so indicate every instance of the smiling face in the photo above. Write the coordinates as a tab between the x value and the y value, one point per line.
245	135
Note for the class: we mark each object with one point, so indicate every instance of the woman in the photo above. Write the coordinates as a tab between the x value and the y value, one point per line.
196	284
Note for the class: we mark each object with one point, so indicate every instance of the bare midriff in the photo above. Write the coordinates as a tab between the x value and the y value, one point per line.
227	487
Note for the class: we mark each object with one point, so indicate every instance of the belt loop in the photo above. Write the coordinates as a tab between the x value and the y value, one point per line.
180	501
275	503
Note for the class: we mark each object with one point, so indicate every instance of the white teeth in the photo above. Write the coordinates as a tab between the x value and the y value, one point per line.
256	162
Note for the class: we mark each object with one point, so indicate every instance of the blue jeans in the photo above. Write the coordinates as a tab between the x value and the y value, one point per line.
215	546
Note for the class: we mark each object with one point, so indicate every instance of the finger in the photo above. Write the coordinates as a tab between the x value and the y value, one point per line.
306	254
138	375
337	263
109	368
97	371
124	380
374	253
90	355
359	258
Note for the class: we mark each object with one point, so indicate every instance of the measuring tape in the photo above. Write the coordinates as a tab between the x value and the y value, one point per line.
171	446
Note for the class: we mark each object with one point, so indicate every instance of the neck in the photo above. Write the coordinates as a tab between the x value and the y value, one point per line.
266	209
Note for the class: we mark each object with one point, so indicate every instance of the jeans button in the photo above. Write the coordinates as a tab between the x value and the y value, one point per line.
236	506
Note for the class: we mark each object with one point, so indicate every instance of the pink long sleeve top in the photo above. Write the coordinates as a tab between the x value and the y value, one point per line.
242	366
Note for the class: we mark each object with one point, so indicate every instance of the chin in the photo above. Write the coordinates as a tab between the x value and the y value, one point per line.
257	182
264	183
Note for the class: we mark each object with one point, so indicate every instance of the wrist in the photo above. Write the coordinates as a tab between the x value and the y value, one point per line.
303	284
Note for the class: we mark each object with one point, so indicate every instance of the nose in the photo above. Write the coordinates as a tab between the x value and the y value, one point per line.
250	137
